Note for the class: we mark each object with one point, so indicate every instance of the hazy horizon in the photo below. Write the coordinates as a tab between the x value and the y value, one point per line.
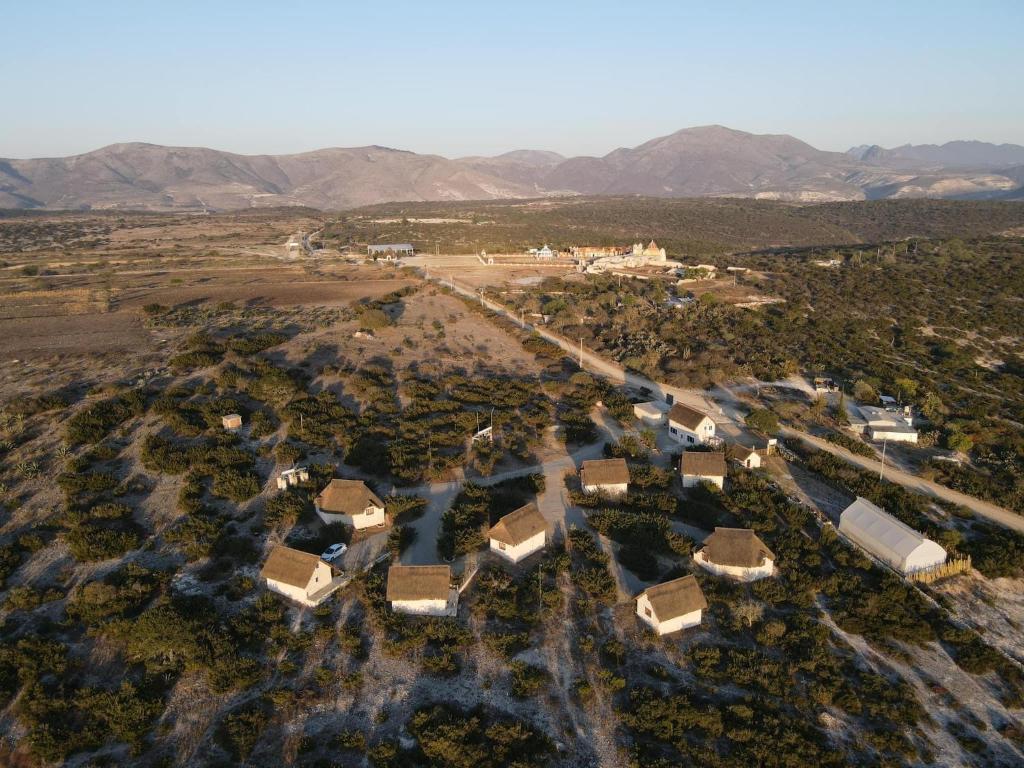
458	79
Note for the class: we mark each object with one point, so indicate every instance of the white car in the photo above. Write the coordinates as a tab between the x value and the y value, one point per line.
334	551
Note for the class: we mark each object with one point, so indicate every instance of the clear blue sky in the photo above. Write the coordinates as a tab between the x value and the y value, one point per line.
458	78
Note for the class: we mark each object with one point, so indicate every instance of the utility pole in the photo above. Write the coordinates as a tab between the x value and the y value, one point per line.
522	322
881	469
540	590
581	353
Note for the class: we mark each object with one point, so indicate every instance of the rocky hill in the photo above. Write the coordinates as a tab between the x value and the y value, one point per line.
695	162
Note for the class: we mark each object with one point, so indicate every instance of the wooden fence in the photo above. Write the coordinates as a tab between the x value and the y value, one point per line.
936	572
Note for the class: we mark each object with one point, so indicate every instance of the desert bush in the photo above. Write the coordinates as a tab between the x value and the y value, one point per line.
96	421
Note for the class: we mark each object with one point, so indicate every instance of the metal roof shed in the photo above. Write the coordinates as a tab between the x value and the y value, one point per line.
888	539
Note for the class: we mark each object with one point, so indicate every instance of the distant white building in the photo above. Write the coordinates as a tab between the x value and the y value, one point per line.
736	552
544	252
390	251
672	606
349	502
649	254
519	534
689	426
422	590
299	576
890	540
607	476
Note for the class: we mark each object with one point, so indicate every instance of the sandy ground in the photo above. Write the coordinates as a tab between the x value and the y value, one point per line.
994	607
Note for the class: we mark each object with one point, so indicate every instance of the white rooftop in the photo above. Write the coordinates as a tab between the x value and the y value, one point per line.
888	538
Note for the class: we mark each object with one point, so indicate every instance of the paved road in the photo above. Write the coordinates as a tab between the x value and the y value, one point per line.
983	508
728	418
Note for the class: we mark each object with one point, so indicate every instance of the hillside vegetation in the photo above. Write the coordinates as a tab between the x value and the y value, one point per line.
688	228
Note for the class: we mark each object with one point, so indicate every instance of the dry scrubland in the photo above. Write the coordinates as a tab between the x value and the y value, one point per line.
132	530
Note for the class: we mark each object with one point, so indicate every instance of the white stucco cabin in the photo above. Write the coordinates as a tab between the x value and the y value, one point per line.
890	540
689	426
736	552
519	534
672	606
745	456
607	476
653	413
422	590
299	576
350	502
696	467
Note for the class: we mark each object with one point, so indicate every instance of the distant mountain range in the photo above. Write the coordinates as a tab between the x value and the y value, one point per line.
703	161
978	155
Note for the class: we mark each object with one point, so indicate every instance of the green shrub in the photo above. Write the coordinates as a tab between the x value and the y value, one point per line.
96	421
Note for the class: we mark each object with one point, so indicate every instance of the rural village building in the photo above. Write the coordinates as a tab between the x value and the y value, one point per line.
886	424
651	252
890	540
299	576
824	384
672	606
736	552
290	477
542	253
422	590
597	251
349	502
519	534
653	413
745	455
607	476
390	251
698	467
689	426
231	421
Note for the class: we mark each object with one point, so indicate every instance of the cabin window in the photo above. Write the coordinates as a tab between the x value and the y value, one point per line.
501	545
689	438
647	612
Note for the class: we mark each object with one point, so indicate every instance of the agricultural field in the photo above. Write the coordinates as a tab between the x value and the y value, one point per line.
134	625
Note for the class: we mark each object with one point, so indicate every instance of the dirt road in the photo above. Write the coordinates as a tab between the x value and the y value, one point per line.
727	419
917	484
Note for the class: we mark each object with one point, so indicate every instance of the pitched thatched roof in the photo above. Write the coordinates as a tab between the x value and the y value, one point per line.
676	598
703	464
290	566
519	526
604	472
419	582
739	547
347	497
687	416
740	452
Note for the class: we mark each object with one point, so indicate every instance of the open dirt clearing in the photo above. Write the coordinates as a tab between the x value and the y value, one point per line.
114	331
265	292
